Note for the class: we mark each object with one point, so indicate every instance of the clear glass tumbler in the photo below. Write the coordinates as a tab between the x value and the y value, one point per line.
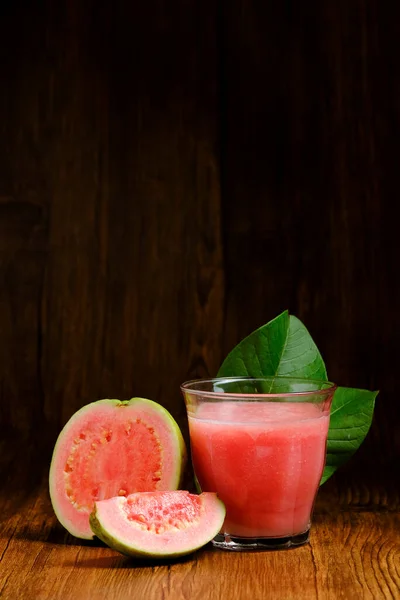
260	443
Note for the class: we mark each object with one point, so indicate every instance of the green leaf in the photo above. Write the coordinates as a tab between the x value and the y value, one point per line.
282	347
351	417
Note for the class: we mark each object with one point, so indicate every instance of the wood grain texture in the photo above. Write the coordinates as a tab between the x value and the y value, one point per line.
351	555
308	175
110	256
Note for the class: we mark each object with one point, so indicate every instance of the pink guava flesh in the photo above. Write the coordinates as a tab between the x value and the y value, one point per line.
112	448
163	512
157	524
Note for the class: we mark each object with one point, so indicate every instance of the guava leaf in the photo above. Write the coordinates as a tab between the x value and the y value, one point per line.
351	417
282	347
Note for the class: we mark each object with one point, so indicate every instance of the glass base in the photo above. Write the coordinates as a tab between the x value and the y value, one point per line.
230	542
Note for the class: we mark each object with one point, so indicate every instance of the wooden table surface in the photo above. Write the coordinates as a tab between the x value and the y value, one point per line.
354	550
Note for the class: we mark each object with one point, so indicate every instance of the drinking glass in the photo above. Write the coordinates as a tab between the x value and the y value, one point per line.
260	444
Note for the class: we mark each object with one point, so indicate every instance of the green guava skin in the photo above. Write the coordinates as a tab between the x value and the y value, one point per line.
135	552
181	460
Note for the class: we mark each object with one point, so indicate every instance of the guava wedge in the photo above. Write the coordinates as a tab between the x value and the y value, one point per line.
113	448
158	524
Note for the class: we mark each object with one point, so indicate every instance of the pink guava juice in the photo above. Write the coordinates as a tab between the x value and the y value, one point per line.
265	461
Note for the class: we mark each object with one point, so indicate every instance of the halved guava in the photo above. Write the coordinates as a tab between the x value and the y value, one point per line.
113	448
158	524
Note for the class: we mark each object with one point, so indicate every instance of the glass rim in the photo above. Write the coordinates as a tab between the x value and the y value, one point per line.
187	386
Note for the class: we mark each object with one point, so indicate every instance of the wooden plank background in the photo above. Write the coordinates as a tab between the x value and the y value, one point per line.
173	175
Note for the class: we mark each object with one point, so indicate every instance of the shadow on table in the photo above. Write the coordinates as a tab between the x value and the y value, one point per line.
56	536
125	562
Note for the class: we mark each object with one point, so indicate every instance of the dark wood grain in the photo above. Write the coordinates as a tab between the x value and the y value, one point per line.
111	256
311	131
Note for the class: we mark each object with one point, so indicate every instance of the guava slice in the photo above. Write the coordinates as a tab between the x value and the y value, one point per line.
158	524
113	448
